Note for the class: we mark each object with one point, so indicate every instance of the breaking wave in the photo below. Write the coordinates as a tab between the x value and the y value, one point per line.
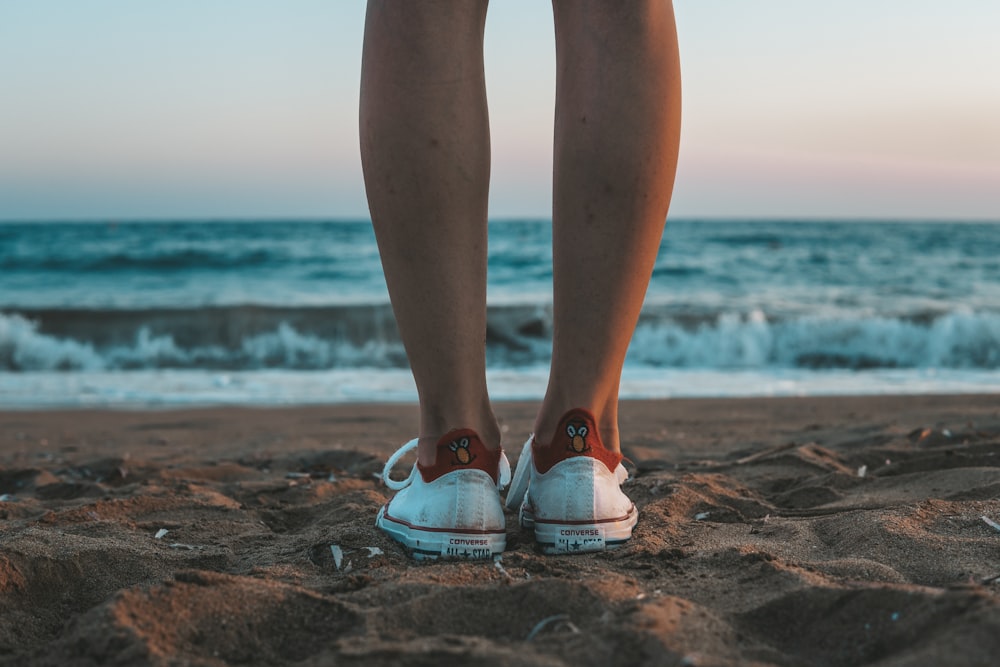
357	337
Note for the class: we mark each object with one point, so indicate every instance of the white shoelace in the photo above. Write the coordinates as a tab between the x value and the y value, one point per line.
397	485
391	463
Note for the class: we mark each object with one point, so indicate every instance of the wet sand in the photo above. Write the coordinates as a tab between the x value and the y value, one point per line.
812	531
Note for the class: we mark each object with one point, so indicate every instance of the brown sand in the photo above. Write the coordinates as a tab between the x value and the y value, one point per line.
758	542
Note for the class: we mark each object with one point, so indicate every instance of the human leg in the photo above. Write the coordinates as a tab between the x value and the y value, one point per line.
616	137
617	128
426	158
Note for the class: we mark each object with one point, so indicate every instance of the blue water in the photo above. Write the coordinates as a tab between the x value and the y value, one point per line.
294	311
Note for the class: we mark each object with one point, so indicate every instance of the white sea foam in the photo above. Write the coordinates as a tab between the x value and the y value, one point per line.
962	339
22	348
735	356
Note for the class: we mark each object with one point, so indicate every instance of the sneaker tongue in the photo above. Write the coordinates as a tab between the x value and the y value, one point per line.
576	435
461	449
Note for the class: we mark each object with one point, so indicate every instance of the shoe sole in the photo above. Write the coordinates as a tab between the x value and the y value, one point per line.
580	537
435	543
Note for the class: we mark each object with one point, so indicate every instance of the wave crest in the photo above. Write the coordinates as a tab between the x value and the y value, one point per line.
953	340
249	338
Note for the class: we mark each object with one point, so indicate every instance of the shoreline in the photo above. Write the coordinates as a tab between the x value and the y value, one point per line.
181	389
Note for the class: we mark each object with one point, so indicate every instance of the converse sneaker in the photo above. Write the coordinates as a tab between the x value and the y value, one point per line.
451	509
570	491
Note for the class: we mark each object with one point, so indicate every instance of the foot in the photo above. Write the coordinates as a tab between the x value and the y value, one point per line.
569	491
452	508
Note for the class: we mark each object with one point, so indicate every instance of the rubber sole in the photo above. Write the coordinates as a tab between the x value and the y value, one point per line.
432	544
580	537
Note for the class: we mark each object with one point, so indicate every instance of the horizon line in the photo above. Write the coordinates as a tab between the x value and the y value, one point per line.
313	219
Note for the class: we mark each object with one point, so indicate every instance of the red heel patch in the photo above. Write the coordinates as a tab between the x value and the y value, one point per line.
576	435
461	449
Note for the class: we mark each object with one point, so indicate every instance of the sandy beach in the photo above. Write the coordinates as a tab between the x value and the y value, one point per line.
794	531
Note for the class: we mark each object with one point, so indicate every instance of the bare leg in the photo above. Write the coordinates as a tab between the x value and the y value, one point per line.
617	129
426	156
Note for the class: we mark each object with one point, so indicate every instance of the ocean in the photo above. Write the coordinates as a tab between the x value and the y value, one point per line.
293	312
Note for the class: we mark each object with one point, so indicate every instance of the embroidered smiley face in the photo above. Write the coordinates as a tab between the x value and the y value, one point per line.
577	432
462	454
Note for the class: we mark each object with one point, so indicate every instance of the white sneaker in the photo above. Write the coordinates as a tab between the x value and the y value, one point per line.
570	491
451	509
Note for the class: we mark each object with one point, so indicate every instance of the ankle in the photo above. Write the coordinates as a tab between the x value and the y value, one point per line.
436	423
548	421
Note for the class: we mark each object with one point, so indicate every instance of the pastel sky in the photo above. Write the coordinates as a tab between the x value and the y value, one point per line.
116	109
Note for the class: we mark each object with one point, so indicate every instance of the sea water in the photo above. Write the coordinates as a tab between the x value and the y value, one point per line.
288	311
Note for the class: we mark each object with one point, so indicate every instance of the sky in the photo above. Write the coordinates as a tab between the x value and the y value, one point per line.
136	109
